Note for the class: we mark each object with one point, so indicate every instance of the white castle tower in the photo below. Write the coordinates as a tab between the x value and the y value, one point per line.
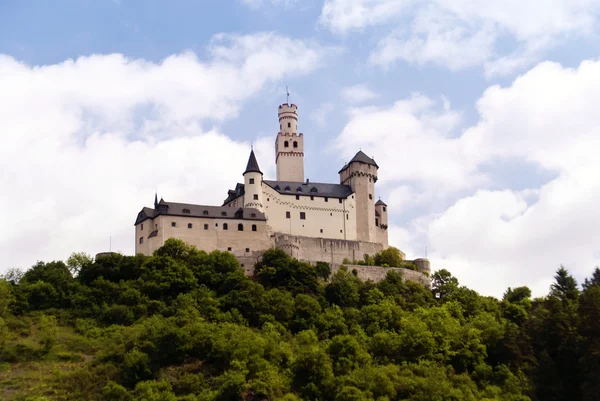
289	145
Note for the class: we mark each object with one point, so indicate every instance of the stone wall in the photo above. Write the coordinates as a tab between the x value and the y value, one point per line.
332	251
378	273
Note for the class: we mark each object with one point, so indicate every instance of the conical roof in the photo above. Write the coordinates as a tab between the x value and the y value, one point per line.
380	202
252	166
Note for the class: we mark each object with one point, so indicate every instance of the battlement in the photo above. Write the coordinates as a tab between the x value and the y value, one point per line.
290	134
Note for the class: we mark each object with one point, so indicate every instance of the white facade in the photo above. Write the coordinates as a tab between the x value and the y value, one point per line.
264	210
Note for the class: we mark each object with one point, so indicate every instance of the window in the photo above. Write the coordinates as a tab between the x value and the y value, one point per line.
299	189
340	200
268	199
384	208
216	224
370	196
287	215
156	226
286	144
347	217
225	227
206	226
340	231
142	227
302	215
252	214
326	199
295	144
141	240
189	225
205	212
251	180
255	197
173	224
289	125
312	198
223	213
229	249
297	198
288	188
240	227
321	231
331	214
253	227
377	222
186	211
352	196
247	249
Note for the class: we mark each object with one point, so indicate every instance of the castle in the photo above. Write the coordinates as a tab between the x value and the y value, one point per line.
311	221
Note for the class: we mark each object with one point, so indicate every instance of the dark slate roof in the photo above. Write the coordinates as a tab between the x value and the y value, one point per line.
252	166
202	211
380	202
145	214
360	157
310	188
234	193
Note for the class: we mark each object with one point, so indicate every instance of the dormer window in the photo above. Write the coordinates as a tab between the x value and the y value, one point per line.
205	213
253	215
288	188
314	190
277	188
299	189
186	211
223	213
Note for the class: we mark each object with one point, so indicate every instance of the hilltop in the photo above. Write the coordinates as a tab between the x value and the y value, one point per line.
184	324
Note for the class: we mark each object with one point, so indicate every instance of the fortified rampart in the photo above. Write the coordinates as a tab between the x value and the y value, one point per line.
378	273
332	251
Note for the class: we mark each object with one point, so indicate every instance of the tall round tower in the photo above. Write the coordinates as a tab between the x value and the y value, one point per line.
289	145
253	184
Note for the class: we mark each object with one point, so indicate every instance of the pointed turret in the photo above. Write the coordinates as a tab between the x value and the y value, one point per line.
252	166
253	184
155	199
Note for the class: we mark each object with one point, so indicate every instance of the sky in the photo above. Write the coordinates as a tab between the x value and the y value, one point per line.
483	118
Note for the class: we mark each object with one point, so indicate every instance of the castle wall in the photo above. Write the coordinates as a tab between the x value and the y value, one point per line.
336	220
378	273
212	238
324	249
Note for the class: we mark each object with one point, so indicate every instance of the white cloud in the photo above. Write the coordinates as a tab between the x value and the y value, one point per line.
492	239
461	34
358	94
320	114
85	142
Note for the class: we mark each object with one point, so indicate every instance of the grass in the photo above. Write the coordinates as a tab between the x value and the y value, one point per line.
37	374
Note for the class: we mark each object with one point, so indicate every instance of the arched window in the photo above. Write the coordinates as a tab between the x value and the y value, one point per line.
189	225
240	227
295	144
225	227
286	144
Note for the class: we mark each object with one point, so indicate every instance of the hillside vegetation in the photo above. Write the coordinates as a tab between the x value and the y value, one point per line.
187	325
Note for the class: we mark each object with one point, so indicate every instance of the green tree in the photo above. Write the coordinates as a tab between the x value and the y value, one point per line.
443	284
47	332
391	257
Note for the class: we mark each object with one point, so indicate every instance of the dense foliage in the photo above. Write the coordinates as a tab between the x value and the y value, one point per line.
189	325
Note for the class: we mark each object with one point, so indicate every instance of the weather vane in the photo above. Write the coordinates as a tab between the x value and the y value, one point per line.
288	95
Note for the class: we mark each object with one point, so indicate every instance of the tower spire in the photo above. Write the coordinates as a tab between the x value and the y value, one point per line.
252	165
